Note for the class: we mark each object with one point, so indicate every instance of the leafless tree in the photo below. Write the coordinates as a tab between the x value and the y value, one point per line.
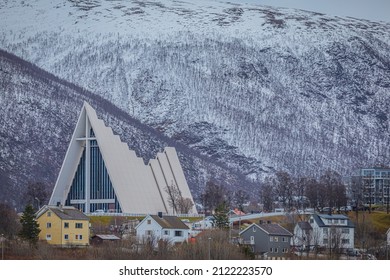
284	189
36	194
240	197
174	196
213	196
312	192
185	205
267	195
179	204
333	189
9	222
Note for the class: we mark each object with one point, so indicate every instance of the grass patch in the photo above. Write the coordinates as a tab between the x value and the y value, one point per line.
379	220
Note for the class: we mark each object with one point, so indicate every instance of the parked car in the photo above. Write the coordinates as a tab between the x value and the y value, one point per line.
327	210
346	208
354	252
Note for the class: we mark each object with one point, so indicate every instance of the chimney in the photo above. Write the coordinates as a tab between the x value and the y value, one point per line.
59	205
159	214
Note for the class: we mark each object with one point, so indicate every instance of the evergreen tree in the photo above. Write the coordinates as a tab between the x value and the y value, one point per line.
221	217
30	228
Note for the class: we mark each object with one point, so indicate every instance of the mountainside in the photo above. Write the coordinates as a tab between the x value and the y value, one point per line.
253	88
38	116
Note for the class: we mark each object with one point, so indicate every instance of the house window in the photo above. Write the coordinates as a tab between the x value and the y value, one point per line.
311	221
48	225
178	233
325	240
335	221
148	232
149	222
166	232
252	239
79	225
345	230
276	239
271	238
48	236
66	225
344	241
49	214
66	236
254	229
284	250
271	250
325	230
275	250
342	221
79	237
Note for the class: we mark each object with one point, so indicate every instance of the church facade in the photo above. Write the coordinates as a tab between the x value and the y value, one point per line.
101	174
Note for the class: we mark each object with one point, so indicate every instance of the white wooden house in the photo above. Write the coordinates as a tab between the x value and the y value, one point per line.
159	227
329	231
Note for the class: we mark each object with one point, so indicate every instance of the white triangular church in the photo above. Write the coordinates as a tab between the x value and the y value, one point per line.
100	172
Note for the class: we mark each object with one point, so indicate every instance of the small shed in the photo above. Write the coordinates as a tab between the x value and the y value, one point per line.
104	238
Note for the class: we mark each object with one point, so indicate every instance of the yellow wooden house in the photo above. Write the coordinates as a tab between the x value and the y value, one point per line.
63	226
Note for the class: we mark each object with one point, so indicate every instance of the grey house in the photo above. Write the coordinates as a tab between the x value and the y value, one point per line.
267	239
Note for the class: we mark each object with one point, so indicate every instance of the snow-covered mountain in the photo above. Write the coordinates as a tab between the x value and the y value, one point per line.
37	117
251	87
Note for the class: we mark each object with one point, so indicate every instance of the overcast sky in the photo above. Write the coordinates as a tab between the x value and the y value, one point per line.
375	10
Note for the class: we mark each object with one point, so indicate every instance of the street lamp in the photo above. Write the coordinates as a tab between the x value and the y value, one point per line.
209	248
39	202
2	239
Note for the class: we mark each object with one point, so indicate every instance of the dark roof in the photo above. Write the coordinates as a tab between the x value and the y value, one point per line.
106	237
65	212
274	229
171	222
320	223
305	226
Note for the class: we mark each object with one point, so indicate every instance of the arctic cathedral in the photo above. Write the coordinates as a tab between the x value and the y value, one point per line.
100	172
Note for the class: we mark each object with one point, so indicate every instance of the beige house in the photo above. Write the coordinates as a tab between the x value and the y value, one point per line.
63	226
